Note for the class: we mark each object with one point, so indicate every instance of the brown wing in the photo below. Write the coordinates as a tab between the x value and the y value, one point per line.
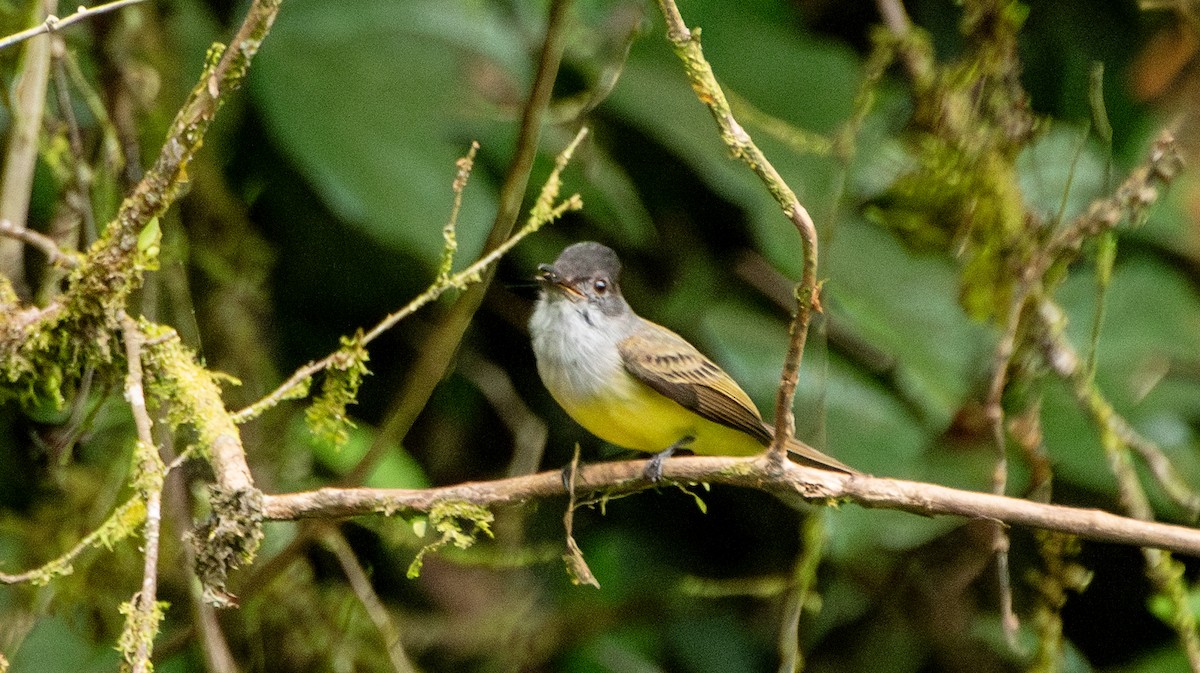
670	365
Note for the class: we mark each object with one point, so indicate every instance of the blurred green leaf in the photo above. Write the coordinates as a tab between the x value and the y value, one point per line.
905	304
397	469
713	643
868	428
370	102
1062	171
1150	328
52	646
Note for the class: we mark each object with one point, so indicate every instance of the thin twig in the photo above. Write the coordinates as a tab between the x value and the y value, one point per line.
28	106
142	620
1136	193
1164	573
107	533
794	480
79	196
374	607
704	83
53	23
994	410
42	242
473	274
577	566
1067	363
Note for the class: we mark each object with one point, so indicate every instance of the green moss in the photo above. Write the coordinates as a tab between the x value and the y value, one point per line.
326	416
450	519
962	195
191	392
228	539
140	630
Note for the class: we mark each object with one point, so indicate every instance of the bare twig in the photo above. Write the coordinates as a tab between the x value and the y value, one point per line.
53	23
374	607
704	82
78	196
577	566
994	409
794	480
40	241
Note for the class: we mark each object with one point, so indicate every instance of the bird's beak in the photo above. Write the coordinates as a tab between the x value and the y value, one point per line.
550	279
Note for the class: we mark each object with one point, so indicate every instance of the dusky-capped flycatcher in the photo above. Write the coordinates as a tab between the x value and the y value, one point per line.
632	382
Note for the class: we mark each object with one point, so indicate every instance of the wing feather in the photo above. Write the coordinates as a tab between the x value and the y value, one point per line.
667	363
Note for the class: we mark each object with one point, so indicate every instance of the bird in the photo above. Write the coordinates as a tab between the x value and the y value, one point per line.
632	382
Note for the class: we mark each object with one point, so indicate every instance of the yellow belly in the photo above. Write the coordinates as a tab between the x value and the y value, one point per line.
634	416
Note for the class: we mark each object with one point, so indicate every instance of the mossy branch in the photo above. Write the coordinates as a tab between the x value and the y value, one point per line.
1118	438
144	611
121	524
545	210
43	350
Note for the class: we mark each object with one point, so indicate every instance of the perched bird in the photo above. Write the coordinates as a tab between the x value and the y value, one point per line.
632	382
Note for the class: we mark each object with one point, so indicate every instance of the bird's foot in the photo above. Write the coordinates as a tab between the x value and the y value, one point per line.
568	474
653	471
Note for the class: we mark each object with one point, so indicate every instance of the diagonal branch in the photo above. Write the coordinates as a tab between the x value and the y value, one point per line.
469	276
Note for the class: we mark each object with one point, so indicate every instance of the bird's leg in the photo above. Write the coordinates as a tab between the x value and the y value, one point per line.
568	472
654	466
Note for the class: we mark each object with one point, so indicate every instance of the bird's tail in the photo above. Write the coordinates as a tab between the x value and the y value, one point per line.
806	455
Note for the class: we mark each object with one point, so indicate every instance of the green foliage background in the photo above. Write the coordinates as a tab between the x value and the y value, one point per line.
317	208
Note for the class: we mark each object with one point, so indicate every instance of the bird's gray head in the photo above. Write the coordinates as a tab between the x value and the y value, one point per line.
585	272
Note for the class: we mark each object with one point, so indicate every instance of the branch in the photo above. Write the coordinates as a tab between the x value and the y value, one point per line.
27	107
792	481
471	275
53	23
144	611
704	83
1135	194
42	242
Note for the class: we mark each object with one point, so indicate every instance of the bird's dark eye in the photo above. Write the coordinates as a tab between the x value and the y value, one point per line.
600	285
